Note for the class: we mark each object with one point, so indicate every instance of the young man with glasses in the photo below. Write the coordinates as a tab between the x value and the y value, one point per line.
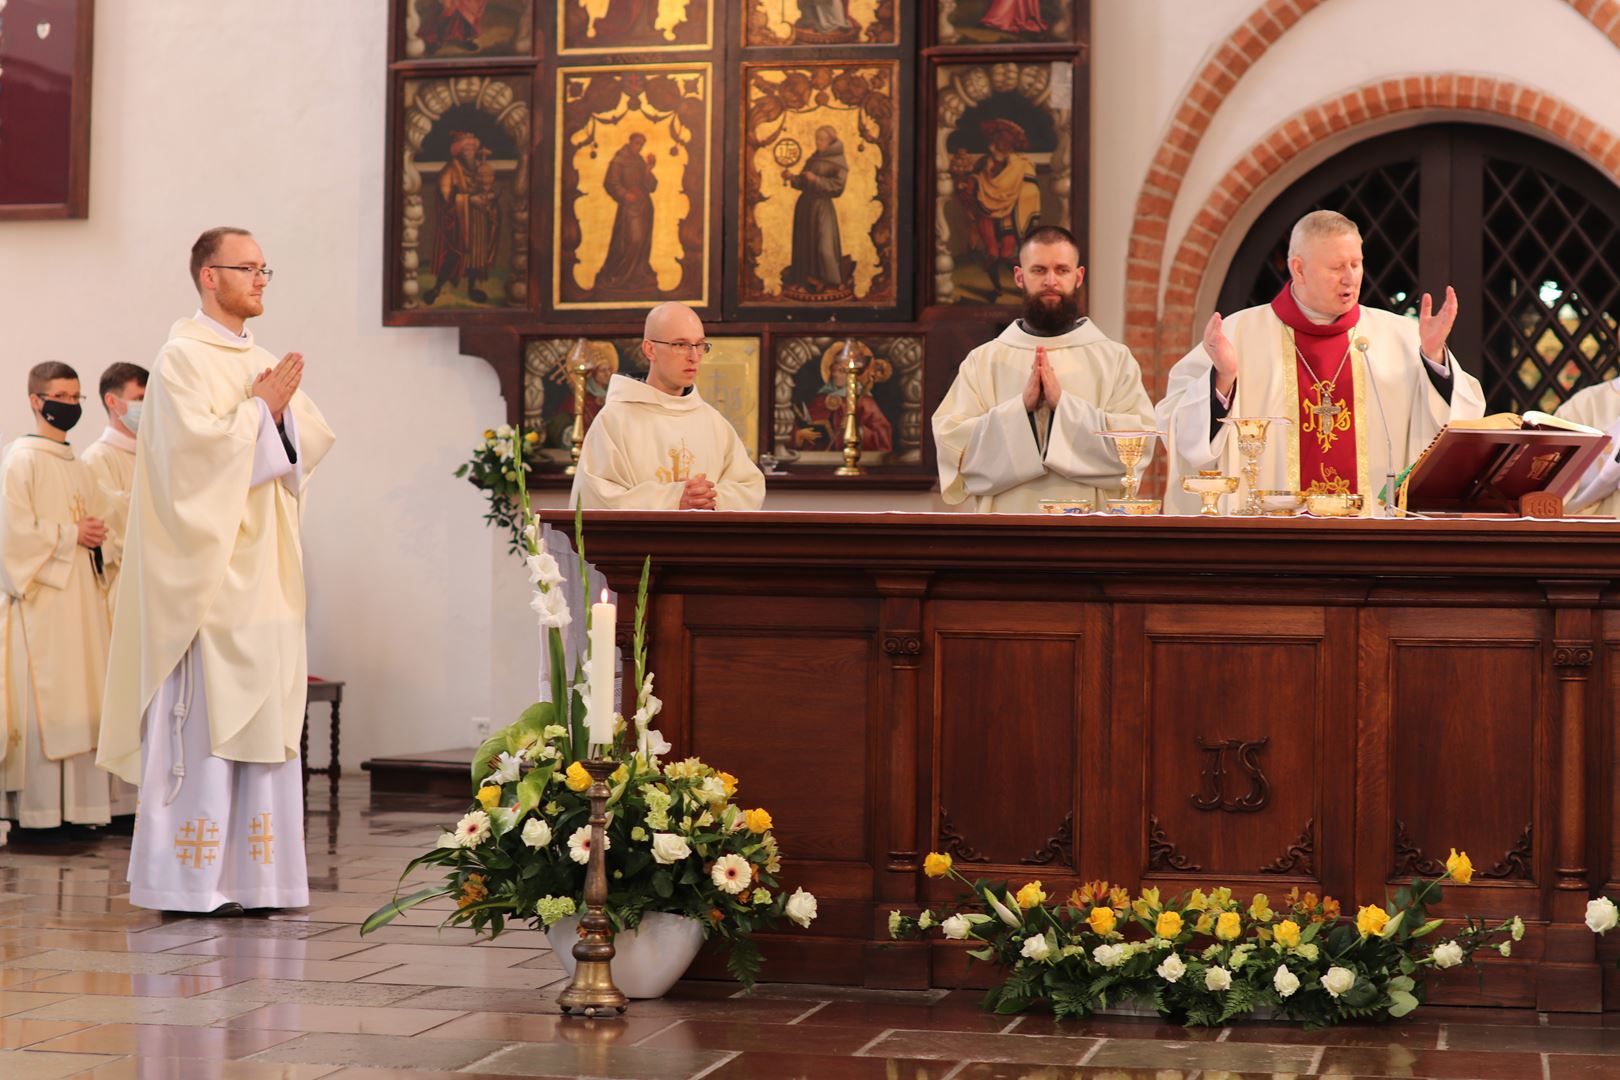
207	677
657	445
54	519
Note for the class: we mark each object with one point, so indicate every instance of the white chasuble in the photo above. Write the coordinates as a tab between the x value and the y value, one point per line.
645	444
1397	411
112	459
208	674
1598	492
55	637
1006	460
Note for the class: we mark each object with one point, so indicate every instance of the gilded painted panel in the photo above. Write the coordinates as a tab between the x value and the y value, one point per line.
990	22
810	399
641	26
821	143
455	29
1003	163
464	171
632	194
774	23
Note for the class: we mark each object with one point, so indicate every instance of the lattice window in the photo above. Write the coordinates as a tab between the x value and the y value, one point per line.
1383	203
1551	293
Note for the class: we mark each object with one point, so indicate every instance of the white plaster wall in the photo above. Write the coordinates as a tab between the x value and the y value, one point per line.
270	116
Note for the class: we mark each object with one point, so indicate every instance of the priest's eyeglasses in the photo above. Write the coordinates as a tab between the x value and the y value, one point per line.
257	271
701	348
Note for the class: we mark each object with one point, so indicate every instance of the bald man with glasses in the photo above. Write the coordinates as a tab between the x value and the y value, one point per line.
657	445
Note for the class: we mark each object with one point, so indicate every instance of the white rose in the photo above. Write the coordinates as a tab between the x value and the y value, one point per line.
801	907
1217	978
956	928
1285	981
1172	969
536	833
1036	948
1109	956
668	847
1338	980
1447	955
1601	915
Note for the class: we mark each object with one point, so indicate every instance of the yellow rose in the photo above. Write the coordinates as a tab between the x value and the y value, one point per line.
489	433
937	864
531	437
489	795
1260	908
729	782
1288	934
1205	924
758	821
577	778
1229	926
1030	896
1460	867
1102	920
1371	919
1168	924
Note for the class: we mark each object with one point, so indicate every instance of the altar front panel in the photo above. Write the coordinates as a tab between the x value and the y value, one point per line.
1268	705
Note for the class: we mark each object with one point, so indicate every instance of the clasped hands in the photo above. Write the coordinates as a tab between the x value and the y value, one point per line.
1043	383
697	493
276	386
92	533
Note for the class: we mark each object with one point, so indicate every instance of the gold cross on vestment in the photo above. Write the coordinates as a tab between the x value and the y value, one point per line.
1327	417
259	846
197	844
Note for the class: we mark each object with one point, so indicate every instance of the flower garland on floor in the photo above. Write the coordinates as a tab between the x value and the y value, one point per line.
1203	958
676	839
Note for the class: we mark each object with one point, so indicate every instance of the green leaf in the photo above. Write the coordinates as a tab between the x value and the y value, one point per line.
531	790
1428	928
1401	1003
493	747
400	905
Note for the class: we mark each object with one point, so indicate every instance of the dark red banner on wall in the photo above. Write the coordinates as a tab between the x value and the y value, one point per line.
40	49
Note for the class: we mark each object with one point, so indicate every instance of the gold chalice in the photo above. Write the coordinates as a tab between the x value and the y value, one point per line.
1209	485
1281	503
1334	504
1131	446
1251	435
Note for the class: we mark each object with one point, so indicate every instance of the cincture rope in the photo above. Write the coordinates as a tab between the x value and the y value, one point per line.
177	719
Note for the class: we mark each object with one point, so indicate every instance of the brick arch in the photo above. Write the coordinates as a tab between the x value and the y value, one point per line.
1500	100
1145	333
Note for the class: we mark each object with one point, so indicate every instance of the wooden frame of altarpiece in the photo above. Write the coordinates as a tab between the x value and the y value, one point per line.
538	99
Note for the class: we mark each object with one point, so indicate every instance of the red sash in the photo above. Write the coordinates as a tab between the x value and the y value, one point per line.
1326	420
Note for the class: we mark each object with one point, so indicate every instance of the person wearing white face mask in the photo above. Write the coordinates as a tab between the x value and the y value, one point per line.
112	457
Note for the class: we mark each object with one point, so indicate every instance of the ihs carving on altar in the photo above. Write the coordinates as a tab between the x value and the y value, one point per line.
1326	416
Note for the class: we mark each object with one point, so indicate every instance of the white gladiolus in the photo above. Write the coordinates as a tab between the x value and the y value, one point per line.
552	607
1338	980
543	569
1217	978
1447	955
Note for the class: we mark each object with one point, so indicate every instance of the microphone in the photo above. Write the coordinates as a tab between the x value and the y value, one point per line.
1362	345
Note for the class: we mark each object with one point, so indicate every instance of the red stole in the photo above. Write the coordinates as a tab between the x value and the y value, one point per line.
1326	420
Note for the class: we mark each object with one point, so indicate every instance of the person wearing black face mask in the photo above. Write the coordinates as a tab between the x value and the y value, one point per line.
1020	425
53	517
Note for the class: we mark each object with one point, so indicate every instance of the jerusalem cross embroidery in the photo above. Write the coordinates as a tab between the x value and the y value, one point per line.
197	844
680	465
260	839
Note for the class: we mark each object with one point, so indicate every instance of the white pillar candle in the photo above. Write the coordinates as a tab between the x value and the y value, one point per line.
604	617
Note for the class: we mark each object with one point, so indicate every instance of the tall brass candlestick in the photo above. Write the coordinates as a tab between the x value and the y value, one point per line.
852	426
579	368
592	990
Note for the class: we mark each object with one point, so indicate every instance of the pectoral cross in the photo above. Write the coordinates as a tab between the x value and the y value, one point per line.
1325	411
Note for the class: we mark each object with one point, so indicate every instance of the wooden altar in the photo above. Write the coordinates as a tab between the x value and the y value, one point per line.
1177	702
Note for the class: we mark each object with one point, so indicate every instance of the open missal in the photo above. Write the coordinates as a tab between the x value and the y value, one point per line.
1501	464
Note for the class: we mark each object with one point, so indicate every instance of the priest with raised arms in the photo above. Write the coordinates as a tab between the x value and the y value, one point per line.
1597	493
1021	421
1366	389
207	677
657	445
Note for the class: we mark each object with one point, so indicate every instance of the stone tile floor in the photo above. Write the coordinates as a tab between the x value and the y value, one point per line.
92	987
